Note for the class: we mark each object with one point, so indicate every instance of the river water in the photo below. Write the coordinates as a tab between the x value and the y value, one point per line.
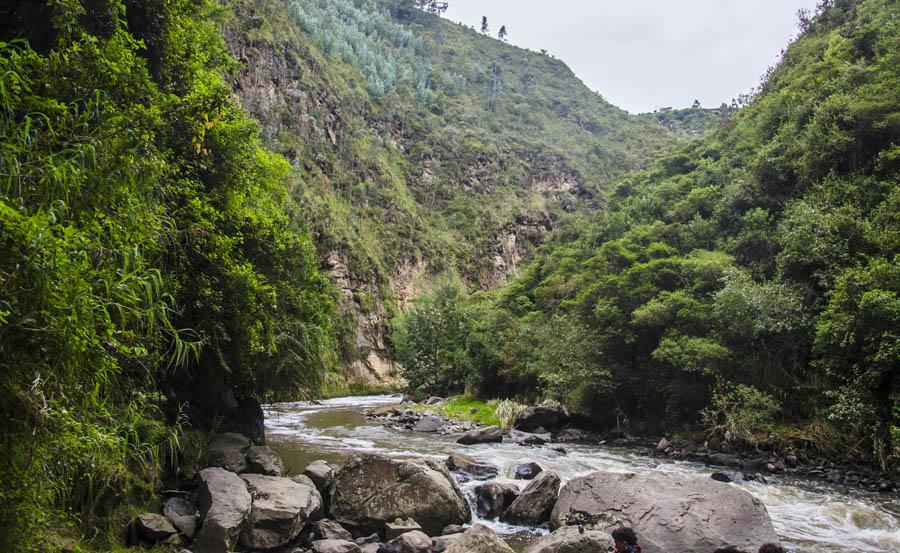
810	517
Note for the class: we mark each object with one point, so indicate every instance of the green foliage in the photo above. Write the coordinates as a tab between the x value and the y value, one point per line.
753	268
740	414
430	340
858	344
467	408
144	231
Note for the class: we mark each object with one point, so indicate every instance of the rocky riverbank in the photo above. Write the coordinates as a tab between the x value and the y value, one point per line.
243	501
550	425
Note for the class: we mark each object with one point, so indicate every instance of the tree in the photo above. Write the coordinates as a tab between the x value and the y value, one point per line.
484	25
405	7
502	34
696	104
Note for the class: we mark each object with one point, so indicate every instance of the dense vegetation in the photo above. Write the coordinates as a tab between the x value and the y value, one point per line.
752	277
145	234
423	145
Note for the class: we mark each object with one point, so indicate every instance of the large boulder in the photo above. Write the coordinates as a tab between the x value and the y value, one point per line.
549	415
371	490
229	451
468	466
571	539
281	508
182	514
224	504
679	513
535	503
484	435
493	498
479	539
262	460
412	542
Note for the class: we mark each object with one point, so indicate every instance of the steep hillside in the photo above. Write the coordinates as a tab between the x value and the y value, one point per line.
154	279
420	147
751	277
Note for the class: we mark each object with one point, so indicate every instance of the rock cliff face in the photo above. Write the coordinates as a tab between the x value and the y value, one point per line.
395	194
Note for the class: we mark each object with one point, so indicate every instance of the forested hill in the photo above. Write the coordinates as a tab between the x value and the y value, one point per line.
160	265
746	282
421	146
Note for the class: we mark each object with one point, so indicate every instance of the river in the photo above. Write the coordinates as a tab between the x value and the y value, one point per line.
810	517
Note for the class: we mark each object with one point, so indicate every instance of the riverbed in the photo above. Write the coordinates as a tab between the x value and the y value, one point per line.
810	517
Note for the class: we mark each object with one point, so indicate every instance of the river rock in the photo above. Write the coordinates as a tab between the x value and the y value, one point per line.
331	530
679	513
439	544
322	475
281	508
400	527
428	423
412	542
663	445
335	546
229	451
549	415
458	462
479	539
534	504
224	504
571	539
371	490
452	529
724	459
529	438
182	514
493	498
527	471
262	460
484	435
151	528
433	400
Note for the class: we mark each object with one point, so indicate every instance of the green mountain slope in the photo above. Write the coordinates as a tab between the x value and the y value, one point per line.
155	281
421	147
751	276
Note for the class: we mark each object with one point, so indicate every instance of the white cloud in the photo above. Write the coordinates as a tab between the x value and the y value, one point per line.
642	54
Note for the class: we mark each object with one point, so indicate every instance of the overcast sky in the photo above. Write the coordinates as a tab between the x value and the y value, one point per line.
645	54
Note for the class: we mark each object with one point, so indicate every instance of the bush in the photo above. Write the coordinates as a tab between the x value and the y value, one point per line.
740	414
